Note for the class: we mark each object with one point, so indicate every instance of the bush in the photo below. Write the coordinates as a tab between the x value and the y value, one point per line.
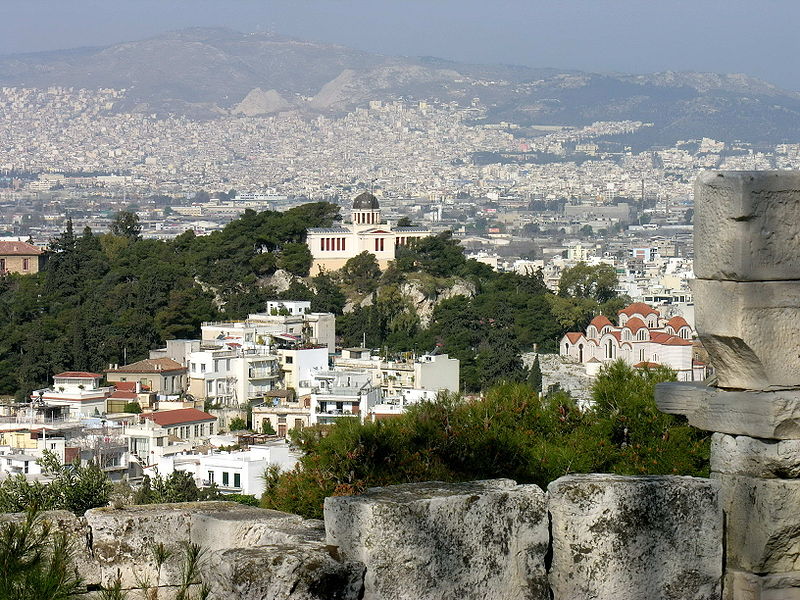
237	424
132	407
513	432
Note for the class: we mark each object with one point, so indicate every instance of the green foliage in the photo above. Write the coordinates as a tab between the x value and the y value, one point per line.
237	424
362	271
178	486
535	376
597	282
296	258
132	407
36	562
126	224
245	499
513	432
74	487
267	428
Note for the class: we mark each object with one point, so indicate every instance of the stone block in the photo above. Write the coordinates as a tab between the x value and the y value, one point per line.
300	571
636	538
769	415
78	535
744	455
763	523
745	225
123	540
741	585
750	330
482	540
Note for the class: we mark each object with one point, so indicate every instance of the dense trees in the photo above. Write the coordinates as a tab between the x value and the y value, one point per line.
513	432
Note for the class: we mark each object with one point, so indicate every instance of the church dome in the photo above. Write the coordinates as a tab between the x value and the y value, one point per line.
365	201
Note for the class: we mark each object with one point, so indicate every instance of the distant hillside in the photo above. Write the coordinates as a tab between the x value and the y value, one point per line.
214	72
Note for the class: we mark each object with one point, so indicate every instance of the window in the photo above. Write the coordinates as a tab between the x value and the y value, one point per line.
211	477
26	264
237	480
298	424
289	360
26	466
210	429
2	264
225	478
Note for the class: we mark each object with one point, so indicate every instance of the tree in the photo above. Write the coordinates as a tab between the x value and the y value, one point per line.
362	271
404	222
266	428
295	258
237	424
597	282
178	486
126	224
132	407
535	375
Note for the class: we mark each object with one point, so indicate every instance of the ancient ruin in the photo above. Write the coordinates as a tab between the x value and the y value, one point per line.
747	295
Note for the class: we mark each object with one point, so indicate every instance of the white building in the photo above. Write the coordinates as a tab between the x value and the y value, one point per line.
332	247
78	392
641	339
232	375
345	393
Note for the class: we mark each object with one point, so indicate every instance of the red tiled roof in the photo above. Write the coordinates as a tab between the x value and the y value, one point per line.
677	322
666	339
649	365
600	321
638	308
634	324
19	249
79	375
573	336
167	418
123	395
125	386
150	365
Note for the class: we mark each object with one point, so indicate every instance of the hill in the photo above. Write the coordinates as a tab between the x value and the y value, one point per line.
210	73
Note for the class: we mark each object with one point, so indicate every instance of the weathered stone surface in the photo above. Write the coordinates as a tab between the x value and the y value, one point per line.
750	330
78	535
479	540
300	571
740	585
763	523
635	538
768	415
744	455
745	225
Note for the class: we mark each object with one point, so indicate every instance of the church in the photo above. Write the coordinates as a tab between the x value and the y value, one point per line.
642	338
332	247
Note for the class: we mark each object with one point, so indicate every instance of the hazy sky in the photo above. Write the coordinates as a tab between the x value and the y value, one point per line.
757	37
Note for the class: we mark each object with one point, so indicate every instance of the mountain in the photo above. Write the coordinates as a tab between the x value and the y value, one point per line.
207	73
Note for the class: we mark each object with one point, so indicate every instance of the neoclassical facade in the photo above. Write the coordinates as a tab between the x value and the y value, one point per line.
641	338
332	247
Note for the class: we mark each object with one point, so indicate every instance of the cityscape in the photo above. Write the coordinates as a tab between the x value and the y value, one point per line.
282	318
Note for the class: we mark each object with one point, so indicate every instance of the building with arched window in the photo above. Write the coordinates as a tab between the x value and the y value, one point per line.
641	338
332	247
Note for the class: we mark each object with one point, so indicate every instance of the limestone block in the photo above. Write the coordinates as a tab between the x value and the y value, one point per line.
77	533
769	415
763	523
123	539
745	225
744	455
741	585
482	540
301	571
246	527
750	330
635	538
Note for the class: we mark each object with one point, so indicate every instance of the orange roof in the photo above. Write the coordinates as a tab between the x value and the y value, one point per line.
649	365
177	417
150	365
638	308
19	249
79	375
677	322
123	395
666	339
573	336
125	386
635	324
600	321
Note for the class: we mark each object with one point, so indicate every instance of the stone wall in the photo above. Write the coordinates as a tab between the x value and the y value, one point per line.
589	536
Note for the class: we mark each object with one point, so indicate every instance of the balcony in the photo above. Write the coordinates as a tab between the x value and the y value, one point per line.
264	373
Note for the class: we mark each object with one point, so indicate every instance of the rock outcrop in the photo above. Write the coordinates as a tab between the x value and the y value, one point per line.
258	102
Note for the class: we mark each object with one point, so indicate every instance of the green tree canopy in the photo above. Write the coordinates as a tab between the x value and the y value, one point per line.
126	224
598	282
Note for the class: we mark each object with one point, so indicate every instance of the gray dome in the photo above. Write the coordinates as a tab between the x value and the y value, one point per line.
365	201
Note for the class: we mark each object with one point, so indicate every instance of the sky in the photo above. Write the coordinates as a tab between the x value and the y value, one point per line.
756	37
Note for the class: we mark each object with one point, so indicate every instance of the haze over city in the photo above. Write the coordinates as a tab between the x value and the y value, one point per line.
732	36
